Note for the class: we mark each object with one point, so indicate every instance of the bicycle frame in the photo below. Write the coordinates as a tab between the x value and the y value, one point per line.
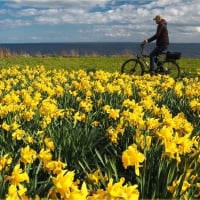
140	56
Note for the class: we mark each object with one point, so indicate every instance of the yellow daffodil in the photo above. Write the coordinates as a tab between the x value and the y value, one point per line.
55	167
6	126
78	116
45	155
95	123
63	183
18	134
86	105
118	190
17	192
94	177
132	157
49	143
18	176
143	141
157	114
28	155
28	115
5	160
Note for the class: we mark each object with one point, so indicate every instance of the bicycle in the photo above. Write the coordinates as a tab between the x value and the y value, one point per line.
165	63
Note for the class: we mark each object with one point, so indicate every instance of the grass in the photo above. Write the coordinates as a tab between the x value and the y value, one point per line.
70	63
189	66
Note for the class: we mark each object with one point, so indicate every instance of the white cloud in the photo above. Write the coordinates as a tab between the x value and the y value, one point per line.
121	21
60	3
28	12
198	29
8	23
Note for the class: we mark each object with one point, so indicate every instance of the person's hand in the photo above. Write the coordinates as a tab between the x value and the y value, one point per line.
145	41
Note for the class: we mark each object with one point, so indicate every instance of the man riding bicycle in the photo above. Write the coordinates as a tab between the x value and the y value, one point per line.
162	40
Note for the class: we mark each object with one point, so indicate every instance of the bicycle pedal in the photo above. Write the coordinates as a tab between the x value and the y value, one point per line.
167	71
132	71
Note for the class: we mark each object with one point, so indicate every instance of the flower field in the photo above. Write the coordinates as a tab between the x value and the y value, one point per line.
98	135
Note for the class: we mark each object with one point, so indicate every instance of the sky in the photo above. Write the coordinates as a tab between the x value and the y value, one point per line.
36	21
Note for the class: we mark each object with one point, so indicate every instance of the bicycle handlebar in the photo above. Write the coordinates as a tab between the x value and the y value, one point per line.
140	50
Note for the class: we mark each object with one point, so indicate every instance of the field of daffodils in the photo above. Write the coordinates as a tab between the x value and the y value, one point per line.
98	135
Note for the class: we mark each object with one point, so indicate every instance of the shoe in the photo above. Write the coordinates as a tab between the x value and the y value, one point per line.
151	72
161	70
167	71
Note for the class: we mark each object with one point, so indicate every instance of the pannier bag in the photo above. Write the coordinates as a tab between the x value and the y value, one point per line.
173	55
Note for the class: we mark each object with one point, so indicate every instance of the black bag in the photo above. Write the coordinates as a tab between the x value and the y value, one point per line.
173	55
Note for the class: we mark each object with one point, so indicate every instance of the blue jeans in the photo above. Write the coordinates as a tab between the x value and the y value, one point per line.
157	51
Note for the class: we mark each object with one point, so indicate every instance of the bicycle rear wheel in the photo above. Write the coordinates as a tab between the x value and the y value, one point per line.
171	68
133	66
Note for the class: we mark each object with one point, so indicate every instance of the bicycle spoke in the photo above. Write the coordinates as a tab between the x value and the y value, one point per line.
132	67
171	68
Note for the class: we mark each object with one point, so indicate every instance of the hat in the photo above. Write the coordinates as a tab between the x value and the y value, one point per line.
157	17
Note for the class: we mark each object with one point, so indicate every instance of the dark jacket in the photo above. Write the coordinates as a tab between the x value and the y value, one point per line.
161	35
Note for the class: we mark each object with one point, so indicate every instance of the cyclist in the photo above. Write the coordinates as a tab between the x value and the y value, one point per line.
162	40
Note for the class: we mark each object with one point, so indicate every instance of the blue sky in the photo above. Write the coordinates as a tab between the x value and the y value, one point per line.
23	21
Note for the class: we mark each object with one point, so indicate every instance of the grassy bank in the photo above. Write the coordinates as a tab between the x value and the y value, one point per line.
70	63
189	66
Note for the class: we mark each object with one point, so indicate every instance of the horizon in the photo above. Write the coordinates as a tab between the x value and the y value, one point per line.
94	42
97	48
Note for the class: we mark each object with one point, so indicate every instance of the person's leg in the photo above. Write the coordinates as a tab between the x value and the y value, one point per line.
157	51
152	59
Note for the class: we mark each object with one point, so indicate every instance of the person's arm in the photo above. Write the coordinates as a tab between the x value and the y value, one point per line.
154	37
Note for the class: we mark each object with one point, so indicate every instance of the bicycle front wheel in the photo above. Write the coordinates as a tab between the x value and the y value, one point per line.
133	67
171	68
